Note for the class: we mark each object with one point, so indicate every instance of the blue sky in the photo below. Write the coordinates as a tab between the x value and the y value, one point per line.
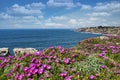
44	14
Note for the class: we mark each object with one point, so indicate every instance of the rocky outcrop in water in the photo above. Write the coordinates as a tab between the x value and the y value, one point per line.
4	52
22	51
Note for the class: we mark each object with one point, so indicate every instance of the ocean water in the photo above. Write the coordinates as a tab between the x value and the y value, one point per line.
41	38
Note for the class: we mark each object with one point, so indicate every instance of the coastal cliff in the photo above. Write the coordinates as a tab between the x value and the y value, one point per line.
101	30
92	59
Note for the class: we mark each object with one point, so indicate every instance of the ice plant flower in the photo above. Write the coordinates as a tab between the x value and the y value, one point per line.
33	59
100	55
29	79
57	60
66	60
35	71
47	74
40	71
97	75
92	77
63	74
20	77
68	78
48	67
44	65
77	73
29	74
16	76
102	66
25	69
38	65
73	55
32	65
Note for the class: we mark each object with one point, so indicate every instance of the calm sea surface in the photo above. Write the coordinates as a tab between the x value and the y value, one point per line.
41	38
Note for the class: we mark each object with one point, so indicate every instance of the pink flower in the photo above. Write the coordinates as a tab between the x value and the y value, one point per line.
68	77
119	65
73	55
70	49
25	69
36	61
97	75
40	79
78	73
40	71
32	68
100	55
33	59
44	65
63	74
29	79
16	76
91	77
46	74
57	60
20	76
35	71
51	53
66	60
102	66
48	67
32	65
38	64
29	74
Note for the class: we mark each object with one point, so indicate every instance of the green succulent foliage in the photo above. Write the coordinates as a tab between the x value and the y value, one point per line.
90	65
3	77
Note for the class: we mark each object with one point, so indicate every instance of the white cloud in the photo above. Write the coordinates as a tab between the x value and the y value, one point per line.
28	9
59	17
73	21
85	7
5	16
31	15
61	22
109	7
61	3
38	6
52	24
99	14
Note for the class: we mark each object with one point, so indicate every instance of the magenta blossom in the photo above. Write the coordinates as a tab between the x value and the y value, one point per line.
48	67
92	77
28	75
66	60
41	70
35	71
102	66
57	60
63	74
44	65
16	76
68	78
25	69
33	59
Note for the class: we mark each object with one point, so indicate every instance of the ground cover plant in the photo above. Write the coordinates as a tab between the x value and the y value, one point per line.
92	59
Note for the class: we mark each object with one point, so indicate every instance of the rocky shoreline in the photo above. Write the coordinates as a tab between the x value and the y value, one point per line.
109	31
4	52
91	59
101	30
17	51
